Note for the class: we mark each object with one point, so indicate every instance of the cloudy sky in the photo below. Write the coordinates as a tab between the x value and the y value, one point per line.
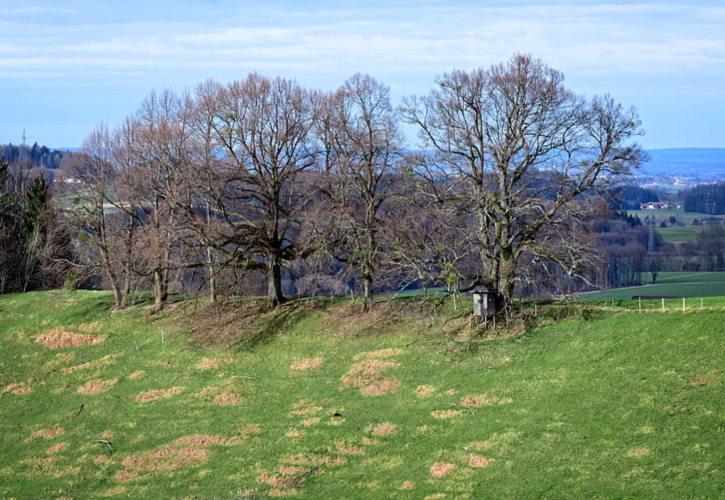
67	65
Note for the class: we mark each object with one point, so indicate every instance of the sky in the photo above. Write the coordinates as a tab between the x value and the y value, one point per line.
67	66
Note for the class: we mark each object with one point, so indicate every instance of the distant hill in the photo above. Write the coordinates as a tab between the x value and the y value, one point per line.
690	162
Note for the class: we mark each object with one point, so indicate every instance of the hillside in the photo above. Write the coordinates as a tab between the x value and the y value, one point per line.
322	402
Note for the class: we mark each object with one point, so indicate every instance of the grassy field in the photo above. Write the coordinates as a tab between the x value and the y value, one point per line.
333	404
692	285
679	234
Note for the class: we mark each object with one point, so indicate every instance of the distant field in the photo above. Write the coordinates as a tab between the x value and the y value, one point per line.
679	234
670	284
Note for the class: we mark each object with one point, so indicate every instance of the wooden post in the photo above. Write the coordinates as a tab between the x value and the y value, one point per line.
700	303
683	304
640	304
663	304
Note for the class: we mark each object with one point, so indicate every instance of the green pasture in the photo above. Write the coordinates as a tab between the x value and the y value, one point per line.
406	402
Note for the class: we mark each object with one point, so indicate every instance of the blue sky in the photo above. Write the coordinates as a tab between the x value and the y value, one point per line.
66	66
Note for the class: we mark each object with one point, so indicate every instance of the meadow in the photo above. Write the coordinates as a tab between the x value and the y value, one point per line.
669	284
320	401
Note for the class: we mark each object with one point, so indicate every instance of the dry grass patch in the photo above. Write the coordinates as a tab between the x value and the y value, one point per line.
382	353
137	374
310	410
184	452
444	414
293	433
475	401
367	377
407	485
158	394
100	363
314	460
95	386
89	327
18	388
57	448
452	392
212	363
441	469
424	391
282	492
115	491
345	448
50	433
478	461
638	452
384	429
61	339
302	365
227	399
311	421
701	380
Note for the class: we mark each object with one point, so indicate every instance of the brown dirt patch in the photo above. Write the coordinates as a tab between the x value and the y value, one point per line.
57	448
184	452
441	469
212	363
137	374
100	459
61	339
95	386
474	401
384	429
302	365
18	388
424	391
95	364
638	452
382	353
50	433
158	394
444	414
478	461
407	485
280	481
89	327
366	376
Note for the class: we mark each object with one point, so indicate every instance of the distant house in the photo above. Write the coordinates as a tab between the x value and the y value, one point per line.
654	205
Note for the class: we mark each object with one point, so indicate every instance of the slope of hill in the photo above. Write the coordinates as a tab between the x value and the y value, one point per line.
333	404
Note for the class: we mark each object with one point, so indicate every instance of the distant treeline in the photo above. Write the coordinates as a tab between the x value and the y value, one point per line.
33	156
629	197
707	199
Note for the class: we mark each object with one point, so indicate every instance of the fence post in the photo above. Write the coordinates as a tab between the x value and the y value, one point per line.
683	304
663	304
640	304
700	303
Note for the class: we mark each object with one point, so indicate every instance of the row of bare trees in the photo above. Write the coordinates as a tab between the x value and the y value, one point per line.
263	177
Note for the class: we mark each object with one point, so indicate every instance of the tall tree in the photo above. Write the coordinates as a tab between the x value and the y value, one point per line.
515	147
264	127
363	150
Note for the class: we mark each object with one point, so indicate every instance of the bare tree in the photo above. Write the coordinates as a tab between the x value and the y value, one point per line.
514	147
264	128
103	217
363	150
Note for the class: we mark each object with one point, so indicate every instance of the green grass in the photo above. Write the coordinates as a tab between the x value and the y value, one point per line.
619	405
691	285
679	234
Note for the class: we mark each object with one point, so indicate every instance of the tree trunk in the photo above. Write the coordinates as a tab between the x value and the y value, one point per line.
506	277
212	276
367	292
160	290
274	281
